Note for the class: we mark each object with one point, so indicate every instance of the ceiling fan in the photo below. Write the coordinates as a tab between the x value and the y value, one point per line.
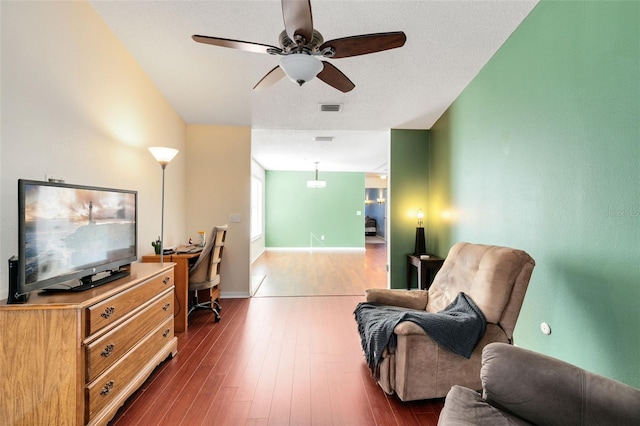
301	46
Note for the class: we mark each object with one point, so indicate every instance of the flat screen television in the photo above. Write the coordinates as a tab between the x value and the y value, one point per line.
73	237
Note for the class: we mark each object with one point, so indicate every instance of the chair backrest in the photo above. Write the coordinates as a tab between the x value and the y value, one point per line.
208	264
495	277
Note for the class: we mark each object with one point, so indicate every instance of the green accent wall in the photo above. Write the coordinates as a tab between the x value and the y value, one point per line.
408	192
297	216
542	152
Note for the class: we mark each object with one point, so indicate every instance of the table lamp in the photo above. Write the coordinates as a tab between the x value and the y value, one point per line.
420	246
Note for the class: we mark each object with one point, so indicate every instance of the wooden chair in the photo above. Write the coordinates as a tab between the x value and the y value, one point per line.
204	275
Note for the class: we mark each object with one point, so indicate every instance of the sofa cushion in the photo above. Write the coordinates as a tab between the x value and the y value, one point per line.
548	391
464	406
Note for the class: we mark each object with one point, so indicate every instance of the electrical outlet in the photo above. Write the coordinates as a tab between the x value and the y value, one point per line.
235	218
546	329
322	237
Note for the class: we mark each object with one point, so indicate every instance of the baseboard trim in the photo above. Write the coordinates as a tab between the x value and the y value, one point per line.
314	249
234	294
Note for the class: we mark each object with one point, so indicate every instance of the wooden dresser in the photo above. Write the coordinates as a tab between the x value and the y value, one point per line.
74	358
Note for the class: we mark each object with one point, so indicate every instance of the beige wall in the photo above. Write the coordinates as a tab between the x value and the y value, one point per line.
76	104
374	181
218	185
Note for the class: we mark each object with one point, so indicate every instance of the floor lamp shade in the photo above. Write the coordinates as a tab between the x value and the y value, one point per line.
162	154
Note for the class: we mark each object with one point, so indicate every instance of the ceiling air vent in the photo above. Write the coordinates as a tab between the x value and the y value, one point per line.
323	138
330	107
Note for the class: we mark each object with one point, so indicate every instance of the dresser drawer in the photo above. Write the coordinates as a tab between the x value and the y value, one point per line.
109	310
106	350
116	379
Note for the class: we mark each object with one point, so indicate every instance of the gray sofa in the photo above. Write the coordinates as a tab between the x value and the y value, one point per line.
521	387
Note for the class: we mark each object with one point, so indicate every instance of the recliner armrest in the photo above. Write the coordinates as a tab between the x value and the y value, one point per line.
413	299
406	328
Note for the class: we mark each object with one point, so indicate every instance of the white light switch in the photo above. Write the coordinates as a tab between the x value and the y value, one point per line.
235	218
358	213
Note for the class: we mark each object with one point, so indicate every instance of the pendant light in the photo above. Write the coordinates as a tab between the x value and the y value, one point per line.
316	183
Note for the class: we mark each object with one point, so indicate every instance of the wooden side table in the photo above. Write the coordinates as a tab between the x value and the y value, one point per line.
426	269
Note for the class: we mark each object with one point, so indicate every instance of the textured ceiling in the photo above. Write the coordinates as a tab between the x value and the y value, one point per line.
448	42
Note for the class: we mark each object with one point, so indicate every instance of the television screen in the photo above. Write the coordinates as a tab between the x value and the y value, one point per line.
70	232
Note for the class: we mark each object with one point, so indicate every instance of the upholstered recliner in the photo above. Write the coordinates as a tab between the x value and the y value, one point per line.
495	278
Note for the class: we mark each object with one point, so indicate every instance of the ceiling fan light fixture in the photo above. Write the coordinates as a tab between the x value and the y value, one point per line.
300	67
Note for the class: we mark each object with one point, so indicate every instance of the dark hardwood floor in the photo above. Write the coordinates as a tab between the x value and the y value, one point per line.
271	361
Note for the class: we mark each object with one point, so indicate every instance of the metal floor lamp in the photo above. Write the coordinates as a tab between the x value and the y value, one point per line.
163	156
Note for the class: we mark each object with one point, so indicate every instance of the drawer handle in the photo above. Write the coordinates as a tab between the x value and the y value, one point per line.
108	312
166	332
107	388
107	350
166	307
166	280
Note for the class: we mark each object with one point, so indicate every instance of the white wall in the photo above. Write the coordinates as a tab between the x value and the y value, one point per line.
75	104
257	245
218	185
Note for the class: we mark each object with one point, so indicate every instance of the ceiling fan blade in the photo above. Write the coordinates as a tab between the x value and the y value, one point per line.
335	78
365	43
247	46
270	79
297	19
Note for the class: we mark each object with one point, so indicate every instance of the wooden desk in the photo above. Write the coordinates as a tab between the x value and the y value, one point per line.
181	290
426	268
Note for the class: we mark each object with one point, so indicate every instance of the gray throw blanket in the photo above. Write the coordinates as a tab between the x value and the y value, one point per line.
457	328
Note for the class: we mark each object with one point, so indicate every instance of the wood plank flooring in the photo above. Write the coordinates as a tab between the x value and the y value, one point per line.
321	273
271	361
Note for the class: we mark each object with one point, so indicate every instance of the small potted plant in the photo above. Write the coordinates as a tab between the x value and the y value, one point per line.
156	245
